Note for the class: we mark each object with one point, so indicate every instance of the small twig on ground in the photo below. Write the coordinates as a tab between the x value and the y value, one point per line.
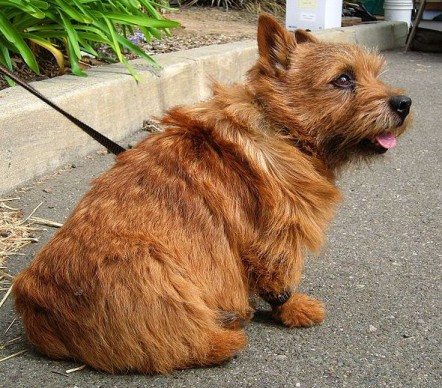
76	369
32	213
9	199
42	221
59	373
10	325
13	355
11	341
6	296
9	207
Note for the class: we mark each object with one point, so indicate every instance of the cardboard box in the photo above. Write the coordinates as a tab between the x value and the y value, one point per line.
313	14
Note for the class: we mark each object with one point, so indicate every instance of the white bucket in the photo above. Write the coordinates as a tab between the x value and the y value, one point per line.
398	10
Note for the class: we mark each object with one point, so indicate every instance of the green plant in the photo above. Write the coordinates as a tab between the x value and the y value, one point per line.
66	28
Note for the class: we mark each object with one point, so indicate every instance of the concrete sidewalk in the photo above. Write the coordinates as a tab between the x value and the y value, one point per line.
35	139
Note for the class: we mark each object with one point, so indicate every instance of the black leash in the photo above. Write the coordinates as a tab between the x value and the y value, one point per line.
103	140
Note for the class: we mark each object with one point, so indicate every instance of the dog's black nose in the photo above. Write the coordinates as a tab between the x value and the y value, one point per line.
401	105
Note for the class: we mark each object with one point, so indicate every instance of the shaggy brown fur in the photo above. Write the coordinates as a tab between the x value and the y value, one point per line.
154	268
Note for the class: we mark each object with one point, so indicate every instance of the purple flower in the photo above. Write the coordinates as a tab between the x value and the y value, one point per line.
137	38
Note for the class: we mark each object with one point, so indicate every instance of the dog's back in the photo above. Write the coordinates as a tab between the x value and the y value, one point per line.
135	278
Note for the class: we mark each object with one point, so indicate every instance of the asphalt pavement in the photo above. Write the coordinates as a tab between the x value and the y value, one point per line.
380	274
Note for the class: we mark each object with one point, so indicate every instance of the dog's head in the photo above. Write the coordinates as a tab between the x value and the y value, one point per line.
328	95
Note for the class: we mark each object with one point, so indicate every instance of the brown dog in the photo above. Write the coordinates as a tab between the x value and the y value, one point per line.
154	268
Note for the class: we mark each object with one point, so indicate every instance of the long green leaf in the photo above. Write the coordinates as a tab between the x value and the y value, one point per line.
134	3
34	9
73	13
22	20
114	38
8	30
91	37
152	7
73	59
87	48
72	36
7	44
132	71
81	7
57	53
94	30
128	44
142	21
5	59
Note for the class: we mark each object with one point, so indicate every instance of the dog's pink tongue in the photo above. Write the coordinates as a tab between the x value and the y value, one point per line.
386	140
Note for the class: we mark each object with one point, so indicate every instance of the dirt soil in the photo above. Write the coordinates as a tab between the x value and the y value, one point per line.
200	26
198	21
203	26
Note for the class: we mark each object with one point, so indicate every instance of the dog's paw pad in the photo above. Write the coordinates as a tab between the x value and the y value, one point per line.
300	311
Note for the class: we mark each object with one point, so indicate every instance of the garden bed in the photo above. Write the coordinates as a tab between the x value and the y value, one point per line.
200	26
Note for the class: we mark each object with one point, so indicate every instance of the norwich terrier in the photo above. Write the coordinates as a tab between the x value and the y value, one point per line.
154	268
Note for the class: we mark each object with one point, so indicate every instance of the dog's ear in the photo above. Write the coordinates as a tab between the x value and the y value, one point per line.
302	36
275	43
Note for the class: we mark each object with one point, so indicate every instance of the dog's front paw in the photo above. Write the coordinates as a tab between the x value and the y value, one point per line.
299	311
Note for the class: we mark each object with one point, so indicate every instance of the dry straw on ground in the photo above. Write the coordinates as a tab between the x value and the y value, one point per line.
16	231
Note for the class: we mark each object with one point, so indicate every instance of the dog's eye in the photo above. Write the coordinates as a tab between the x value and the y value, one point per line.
344	81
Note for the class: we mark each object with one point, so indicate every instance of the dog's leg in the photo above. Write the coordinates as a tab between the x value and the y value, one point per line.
225	344
233	320
299	311
275	281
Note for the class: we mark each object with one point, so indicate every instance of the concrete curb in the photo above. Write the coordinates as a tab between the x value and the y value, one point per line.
35	139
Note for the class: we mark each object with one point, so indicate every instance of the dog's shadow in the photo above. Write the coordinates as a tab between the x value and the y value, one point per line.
263	317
